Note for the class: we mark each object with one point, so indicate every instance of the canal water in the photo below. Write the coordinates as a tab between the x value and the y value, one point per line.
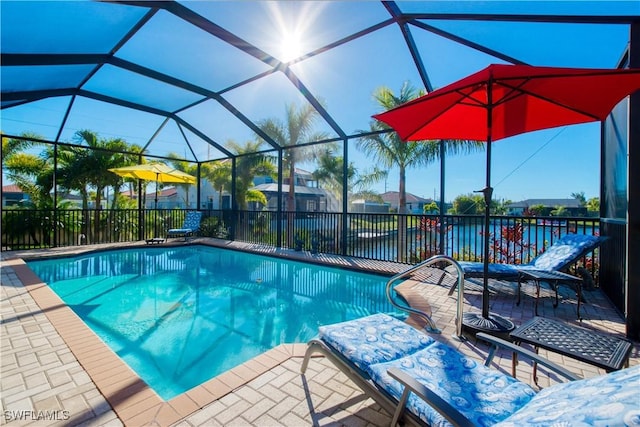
465	241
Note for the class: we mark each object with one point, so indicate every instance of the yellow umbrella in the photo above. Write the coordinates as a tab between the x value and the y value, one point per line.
158	172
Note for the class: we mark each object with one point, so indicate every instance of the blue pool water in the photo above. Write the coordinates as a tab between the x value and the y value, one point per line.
180	316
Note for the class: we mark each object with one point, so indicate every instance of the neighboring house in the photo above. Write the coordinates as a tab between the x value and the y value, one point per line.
415	204
367	206
129	194
12	195
171	198
302	177
167	199
308	199
309	196
209	197
572	206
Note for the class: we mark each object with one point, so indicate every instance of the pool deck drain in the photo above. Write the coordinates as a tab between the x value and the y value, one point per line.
56	372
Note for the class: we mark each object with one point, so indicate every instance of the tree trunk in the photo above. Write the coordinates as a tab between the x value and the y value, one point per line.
291	197
96	216
291	206
112	213
84	231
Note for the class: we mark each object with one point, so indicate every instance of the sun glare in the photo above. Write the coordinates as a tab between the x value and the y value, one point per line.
290	47
292	22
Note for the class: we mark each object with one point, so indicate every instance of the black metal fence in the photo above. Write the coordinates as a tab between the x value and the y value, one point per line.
33	229
385	237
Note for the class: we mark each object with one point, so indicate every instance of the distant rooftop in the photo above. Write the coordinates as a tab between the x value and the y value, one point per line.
547	203
394	196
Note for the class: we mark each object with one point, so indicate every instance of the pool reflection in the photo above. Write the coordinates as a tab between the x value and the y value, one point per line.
180	316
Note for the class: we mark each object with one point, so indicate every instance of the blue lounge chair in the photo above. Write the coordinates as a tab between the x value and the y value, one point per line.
424	381
190	226
550	266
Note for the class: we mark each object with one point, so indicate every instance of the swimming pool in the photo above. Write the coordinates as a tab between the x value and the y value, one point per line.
180	316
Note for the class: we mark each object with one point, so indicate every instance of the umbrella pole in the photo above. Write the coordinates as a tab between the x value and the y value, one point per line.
155	211
487	322
488	193
156	201
442	226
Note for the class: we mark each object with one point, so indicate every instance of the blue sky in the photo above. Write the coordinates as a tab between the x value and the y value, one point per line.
545	164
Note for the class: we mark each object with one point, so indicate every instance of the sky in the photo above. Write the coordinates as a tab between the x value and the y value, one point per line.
551	163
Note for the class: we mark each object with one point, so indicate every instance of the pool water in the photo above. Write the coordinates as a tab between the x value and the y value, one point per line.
180	316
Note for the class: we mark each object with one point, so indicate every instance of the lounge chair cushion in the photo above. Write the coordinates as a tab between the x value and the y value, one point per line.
607	400
182	230
191	224
476	269
485	396
564	251
373	339
558	256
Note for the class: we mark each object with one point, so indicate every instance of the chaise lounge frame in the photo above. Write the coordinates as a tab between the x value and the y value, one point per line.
190	226
397	408
543	268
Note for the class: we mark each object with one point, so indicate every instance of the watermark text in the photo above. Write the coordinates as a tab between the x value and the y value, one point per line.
30	415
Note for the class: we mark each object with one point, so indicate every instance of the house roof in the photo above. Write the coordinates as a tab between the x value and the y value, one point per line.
301	173
273	188
128	193
393	197
69	196
13	188
16	189
547	203
165	192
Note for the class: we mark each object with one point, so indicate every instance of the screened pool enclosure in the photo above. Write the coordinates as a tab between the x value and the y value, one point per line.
269	105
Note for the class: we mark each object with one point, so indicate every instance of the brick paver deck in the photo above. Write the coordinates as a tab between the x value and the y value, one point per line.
55	372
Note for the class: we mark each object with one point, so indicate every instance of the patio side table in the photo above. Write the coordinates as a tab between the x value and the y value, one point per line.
608	352
555	279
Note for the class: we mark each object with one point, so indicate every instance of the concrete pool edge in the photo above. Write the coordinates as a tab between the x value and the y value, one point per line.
131	399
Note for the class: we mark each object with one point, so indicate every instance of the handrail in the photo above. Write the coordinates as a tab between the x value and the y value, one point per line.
426	263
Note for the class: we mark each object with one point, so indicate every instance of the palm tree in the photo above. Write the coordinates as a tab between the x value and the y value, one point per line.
297	129
559	211
11	146
85	168
34	174
389	151
330	173
249	164
579	195
219	175
78	168
184	166
130	155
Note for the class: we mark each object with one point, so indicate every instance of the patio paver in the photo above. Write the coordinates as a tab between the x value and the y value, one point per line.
48	381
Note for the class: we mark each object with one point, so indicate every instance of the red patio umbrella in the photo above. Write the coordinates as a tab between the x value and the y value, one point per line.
506	100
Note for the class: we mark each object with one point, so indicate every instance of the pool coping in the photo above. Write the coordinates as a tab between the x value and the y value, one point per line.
134	402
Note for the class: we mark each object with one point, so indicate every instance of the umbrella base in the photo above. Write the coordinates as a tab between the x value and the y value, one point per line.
493	324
